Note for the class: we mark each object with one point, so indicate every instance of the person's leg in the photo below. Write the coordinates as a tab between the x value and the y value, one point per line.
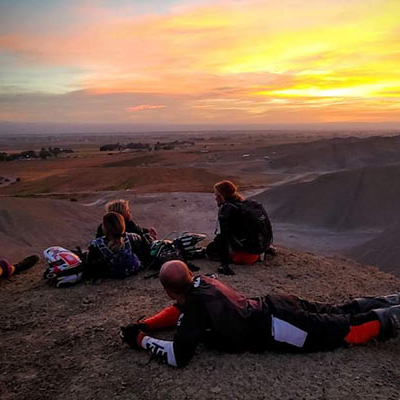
213	250
6	269
356	306
381	323
26	263
363	328
299	324
389	318
371	303
315	332
328	331
301	330
217	251
294	302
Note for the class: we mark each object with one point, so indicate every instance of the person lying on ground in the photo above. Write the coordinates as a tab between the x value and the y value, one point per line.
7	269
244	231
117	254
211	312
122	207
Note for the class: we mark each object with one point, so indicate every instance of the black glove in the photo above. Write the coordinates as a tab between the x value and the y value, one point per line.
130	333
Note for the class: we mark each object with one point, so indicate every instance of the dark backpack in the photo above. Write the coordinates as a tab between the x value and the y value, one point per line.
183	248
123	263
257	227
162	251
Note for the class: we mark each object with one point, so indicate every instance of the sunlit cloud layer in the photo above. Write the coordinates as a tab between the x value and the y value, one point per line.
207	61
143	107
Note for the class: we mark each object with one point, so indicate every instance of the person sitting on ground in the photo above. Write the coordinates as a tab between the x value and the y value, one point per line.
7	269
245	231
215	314
117	254
122	207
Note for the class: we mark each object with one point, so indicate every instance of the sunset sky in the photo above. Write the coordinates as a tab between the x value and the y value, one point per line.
197	62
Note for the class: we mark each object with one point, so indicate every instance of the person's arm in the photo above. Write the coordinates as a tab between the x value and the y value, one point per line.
152	232
133	227
179	351
166	318
99	232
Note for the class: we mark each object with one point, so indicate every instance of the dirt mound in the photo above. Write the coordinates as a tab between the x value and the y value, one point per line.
355	199
31	225
63	344
335	154
383	250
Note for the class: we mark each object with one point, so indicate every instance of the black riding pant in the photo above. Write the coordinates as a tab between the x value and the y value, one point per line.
313	326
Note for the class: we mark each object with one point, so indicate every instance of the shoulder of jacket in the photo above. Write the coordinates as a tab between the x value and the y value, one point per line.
229	207
97	242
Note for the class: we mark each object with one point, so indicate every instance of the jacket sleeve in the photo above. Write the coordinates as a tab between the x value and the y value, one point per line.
133	227
179	351
165	318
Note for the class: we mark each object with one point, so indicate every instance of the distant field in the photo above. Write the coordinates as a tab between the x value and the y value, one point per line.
192	168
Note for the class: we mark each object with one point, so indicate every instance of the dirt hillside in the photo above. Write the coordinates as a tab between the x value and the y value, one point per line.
31	225
355	213
63	344
354	199
382	250
336	154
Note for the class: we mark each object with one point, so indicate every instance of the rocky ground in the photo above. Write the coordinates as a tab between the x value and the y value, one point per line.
63	343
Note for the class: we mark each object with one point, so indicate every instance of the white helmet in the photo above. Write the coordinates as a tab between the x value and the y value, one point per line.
64	267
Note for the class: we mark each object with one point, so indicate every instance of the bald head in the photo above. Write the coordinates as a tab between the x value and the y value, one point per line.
175	276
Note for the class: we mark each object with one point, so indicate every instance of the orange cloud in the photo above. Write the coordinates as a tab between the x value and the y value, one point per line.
143	107
232	59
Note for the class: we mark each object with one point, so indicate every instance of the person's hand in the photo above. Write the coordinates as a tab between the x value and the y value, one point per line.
153	233
130	333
